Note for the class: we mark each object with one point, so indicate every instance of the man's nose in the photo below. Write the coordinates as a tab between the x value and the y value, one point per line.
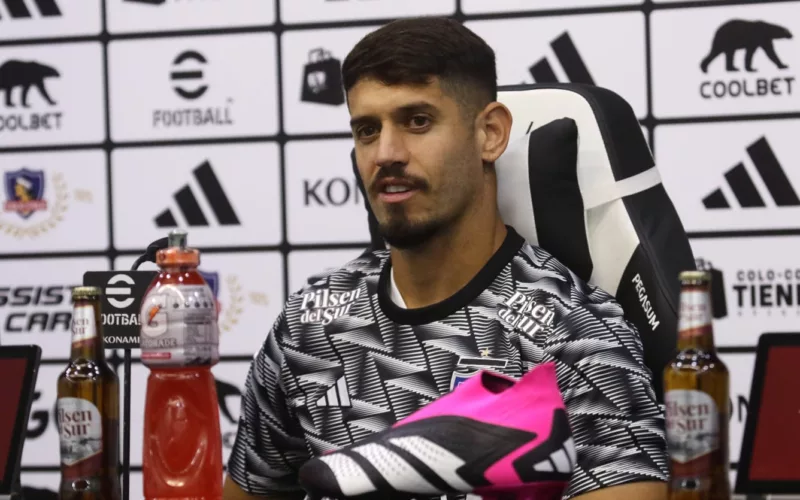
391	148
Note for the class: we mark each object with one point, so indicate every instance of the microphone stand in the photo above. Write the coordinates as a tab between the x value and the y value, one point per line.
148	256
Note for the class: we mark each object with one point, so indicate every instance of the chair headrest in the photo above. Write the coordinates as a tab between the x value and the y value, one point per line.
578	179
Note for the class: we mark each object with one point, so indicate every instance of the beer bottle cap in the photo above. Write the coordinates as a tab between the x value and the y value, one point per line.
699	277
86	292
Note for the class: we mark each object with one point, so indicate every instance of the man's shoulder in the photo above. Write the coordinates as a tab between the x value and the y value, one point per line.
534	263
346	278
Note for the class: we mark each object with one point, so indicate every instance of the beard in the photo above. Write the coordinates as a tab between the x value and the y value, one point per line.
401	232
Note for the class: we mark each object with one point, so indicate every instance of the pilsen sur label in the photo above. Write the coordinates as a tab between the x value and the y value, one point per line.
526	314
323	306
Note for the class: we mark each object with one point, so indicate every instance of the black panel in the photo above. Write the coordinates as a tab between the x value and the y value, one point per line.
555	193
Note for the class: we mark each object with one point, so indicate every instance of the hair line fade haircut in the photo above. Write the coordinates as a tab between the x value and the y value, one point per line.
413	51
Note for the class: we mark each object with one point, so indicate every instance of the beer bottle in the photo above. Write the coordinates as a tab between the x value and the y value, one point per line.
696	395
88	408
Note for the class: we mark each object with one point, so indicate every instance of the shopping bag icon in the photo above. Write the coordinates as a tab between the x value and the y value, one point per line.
322	79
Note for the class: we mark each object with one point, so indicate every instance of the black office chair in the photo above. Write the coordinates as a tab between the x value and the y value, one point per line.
578	179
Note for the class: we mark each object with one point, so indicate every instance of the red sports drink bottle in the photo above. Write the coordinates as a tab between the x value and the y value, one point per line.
182	452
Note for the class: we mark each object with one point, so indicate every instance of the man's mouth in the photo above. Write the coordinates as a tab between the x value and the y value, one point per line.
395	191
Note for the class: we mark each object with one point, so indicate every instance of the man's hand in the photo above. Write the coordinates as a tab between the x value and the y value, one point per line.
633	491
232	491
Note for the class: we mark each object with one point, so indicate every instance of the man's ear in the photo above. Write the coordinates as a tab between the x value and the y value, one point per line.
495	121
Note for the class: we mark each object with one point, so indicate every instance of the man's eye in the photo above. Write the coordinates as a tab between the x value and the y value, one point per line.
366	131
419	121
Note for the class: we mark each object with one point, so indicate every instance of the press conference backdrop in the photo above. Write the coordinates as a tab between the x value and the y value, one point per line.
122	119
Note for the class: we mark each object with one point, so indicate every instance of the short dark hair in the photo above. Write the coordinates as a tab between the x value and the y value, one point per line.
413	50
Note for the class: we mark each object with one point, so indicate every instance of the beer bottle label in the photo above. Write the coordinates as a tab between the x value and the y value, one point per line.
695	313
83	326
179	326
80	430
692	425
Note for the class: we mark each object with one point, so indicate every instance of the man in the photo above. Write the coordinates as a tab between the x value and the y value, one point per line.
370	343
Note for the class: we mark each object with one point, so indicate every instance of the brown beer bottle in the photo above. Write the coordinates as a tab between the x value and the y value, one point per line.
88	408
696	395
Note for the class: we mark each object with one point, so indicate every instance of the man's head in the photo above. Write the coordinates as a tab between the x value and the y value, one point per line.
422	99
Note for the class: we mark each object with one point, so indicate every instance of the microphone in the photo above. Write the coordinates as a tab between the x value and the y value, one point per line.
149	255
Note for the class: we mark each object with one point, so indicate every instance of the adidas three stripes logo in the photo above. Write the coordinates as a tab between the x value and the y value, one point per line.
18	9
570	59
744	189
190	208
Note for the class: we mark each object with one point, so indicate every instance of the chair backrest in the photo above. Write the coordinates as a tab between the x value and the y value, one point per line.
578	179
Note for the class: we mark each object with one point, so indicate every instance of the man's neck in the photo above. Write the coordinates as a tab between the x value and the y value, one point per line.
429	275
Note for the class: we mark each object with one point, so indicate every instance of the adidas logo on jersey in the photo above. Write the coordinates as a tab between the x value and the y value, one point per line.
526	314
338	395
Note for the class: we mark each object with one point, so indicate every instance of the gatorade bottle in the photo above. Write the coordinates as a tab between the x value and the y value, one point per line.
182	452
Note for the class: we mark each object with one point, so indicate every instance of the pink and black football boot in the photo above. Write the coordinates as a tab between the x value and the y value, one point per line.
492	436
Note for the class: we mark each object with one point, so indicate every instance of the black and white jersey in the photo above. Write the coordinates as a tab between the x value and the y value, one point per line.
343	361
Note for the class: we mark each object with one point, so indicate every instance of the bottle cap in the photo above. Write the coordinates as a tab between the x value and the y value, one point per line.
697	277
177	238
86	292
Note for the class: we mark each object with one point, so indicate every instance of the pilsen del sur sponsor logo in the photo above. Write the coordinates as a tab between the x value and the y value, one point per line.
323	306
525	314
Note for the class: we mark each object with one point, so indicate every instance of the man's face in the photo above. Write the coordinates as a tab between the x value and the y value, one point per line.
418	158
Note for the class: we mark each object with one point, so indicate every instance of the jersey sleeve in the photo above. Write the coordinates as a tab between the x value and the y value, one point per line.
269	447
617	424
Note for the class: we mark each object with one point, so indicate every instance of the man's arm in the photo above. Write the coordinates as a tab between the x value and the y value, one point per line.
616	421
269	446
232	491
633	491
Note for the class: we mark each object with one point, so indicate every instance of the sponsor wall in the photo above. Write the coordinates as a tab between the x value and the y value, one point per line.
120	119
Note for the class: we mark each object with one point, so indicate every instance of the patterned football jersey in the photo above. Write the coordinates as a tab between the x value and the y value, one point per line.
343	361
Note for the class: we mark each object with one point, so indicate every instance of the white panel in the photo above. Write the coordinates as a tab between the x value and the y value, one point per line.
694	160
324	203
147	179
127	16
73	109
622	36
36	304
53	201
193	87
761	280
684	87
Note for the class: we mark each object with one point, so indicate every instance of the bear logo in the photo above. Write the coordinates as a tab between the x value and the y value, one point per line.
739	34
25	74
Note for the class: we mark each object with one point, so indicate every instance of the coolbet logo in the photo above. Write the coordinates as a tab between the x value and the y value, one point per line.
24	75
745	37
525	314
741	184
334	192
29	193
570	59
26	309
188	82
324	306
